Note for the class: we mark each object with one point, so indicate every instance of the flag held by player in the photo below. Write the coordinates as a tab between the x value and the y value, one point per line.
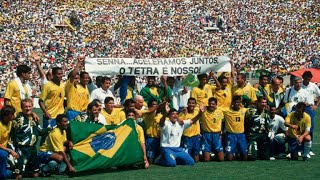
101	147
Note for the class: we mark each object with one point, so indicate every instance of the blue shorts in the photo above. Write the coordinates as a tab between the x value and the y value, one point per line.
152	147
236	142
3	163
171	156
211	142
71	114
191	145
49	122
294	146
44	157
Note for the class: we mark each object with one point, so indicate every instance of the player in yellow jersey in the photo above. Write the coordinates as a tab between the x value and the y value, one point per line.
234	121
152	131
204	91
113	116
151	91
6	117
245	90
211	123
223	92
52	98
191	136
299	123
18	88
54	148
77	93
132	114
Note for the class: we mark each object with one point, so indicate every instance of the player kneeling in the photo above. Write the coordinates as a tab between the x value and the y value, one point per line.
52	152
299	124
211	122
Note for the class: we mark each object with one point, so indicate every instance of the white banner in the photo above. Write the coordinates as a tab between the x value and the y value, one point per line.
156	67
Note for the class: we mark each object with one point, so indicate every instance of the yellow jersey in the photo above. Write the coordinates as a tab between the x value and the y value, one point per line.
194	129
224	97
303	125
5	133
247	90
140	134
211	122
235	120
53	98
13	94
151	123
78	97
202	95
116	117
55	141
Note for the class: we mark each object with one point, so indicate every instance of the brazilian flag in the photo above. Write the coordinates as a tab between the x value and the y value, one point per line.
191	80
101	147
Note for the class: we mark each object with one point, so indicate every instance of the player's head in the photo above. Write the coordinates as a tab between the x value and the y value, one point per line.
273	111
62	121
129	104
170	81
27	106
236	102
84	78
76	77
307	76
24	71
57	74
300	109
203	78
263	80
139	101
131	114
223	80
173	115
105	83
275	84
151	81
212	104
7	114
152	103
241	79
98	103
262	102
191	104
109	103
297	83
93	109
98	81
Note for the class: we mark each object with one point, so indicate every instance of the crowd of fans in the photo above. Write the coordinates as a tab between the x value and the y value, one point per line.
255	34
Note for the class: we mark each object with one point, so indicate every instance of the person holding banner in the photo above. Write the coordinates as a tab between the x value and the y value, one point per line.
151	91
77	93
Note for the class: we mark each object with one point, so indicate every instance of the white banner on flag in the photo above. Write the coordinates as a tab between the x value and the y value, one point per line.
156	67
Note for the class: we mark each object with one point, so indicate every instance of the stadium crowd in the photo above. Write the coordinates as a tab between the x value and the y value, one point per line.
255	34
176	124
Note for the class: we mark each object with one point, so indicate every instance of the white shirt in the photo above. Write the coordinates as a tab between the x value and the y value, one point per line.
170	134
313	90
276	123
298	96
100	94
